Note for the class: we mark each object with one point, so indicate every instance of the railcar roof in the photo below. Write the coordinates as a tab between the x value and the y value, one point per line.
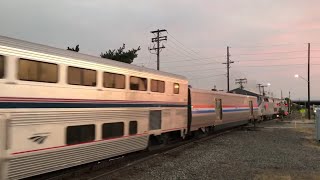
29	46
219	92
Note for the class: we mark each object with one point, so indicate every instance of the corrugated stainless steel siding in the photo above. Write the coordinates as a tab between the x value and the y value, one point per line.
39	163
46	117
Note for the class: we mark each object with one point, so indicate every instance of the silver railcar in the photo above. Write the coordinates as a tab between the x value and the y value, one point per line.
221	110
60	108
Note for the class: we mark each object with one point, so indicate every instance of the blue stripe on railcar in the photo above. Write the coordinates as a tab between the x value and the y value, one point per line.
224	110
9	105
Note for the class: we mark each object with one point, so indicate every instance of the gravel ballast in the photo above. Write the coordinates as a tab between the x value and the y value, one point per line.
275	150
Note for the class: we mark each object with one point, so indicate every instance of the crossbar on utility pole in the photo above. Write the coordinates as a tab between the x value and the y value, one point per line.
157	40
241	81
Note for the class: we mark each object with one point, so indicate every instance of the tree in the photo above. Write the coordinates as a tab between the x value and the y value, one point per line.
121	55
76	49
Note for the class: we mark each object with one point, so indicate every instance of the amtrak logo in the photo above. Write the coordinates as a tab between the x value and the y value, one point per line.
39	138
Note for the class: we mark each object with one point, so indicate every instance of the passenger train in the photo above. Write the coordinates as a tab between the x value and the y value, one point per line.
60	109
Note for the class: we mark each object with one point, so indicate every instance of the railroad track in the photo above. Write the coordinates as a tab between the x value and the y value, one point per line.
102	169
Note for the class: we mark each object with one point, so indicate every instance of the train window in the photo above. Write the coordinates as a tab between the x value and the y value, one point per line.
89	77
176	88
113	80
112	130
155	119
80	134
1	67
80	76
30	70
138	83
74	76
133	127
157	86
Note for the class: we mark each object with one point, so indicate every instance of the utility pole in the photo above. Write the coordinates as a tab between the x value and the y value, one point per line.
228	67
157	40
263	93
241	82
289	104
259	86
309	113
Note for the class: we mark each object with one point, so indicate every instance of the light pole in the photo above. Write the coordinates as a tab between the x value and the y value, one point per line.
308	106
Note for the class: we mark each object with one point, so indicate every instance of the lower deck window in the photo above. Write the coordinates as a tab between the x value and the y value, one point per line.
133	127
112	130
1	67
80	134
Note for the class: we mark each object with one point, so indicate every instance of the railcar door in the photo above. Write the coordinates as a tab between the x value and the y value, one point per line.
3	146
155	120
251	108
219	109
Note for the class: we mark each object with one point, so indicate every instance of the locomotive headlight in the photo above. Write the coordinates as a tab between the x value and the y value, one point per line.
176	86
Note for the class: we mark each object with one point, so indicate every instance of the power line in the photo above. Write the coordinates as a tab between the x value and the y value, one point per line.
194	70
185	47
282	52
182	48
279	65
272	59
266	45
182	43
179	51
200	59
208	76
189	65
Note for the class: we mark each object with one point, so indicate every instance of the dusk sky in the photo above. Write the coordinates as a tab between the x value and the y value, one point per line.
267	38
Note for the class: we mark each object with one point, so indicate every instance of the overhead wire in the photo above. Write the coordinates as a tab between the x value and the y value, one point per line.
274	65
265	53
263	45
182	43
195	70
209	76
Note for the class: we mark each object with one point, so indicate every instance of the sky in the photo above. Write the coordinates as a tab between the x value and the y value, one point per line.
268	39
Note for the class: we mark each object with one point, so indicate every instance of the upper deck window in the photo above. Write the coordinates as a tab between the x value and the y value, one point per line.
113	80
138	83
157	86
80	76
1	67
176	88
30	70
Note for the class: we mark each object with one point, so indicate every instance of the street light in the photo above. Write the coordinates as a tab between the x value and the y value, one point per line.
298	76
